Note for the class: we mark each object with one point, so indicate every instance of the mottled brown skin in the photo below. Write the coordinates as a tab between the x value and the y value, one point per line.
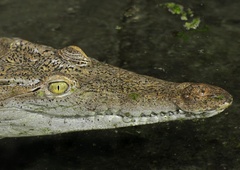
43	84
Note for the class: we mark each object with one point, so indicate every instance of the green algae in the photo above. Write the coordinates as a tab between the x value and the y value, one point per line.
178	9
193	24
134	96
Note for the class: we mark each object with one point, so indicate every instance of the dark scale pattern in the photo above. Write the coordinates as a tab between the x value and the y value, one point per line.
95	88
17	55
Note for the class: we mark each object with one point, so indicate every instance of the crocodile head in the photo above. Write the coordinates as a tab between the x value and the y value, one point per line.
47	91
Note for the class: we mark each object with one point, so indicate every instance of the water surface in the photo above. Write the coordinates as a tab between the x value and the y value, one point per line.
145	38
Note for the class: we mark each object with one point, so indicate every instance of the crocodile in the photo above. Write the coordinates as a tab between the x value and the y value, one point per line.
47	91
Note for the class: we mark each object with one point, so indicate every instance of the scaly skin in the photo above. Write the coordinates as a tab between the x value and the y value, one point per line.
47	91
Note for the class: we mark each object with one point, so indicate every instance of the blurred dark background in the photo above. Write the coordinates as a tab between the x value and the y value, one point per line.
146	38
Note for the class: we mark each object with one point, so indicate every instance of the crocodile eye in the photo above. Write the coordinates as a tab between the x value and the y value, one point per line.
58	87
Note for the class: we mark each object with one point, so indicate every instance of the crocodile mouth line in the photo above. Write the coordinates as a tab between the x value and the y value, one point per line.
126	115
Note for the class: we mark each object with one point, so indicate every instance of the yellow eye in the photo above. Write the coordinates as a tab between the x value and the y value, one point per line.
58	87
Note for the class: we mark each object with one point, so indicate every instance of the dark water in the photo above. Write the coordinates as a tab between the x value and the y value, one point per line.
150	41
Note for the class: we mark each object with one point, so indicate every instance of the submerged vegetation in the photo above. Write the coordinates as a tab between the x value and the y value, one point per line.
178	9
